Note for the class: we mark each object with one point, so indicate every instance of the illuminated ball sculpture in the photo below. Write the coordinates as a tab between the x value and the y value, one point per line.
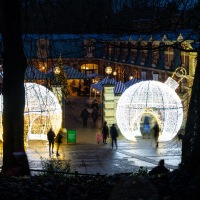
149	97
42	111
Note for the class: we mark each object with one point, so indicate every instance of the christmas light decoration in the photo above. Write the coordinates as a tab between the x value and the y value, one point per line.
149	98
42	111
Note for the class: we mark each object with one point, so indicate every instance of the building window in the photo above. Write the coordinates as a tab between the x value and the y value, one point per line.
143	75
89	68
155	77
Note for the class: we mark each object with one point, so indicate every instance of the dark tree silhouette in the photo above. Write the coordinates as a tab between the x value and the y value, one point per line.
14	64
191	140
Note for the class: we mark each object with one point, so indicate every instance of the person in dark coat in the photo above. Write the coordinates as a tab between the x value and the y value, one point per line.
59	141
113	135
156	133
84	116
50	136
105	132
94	114
95	104
160	169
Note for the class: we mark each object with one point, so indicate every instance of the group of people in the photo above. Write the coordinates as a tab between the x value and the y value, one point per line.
52	138
105	134
85	113
160	169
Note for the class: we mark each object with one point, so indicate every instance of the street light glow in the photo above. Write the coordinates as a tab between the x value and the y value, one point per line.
108	70
57	70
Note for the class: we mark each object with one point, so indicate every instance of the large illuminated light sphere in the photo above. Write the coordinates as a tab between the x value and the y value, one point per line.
42	111
149	98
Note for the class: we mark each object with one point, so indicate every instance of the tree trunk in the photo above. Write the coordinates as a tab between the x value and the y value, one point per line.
14	64
191	140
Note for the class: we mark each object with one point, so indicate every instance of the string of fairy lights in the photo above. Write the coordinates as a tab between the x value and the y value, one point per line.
149	97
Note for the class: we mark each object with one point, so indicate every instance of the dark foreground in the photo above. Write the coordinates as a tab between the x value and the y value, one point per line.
119	186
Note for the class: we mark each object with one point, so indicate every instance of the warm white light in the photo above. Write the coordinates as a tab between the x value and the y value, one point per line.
114	73
171	83
149	97
57	70
108	70
130	77
42	111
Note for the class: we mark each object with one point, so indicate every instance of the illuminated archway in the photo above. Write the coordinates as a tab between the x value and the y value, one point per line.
42	111
151	97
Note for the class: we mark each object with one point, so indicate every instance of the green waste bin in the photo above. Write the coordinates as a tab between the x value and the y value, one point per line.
71	136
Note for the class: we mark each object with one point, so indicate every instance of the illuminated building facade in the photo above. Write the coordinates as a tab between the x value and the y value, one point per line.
145	57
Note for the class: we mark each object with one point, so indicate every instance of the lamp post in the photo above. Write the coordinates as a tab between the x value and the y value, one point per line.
56	71
59	86
108	71
115	74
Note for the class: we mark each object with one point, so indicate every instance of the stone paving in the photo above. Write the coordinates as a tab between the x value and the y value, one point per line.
88	157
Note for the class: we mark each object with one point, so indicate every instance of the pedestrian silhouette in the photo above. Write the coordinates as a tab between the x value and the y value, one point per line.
105	132
146	127
160	169
84	116
95	104
156	133
58	141
50	136
99	137
113	135
94	114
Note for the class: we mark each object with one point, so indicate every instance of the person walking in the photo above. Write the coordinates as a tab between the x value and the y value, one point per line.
50	136
94	114
156	133
113	135
105	132
146	127
84	116
58	141
95	104
99	137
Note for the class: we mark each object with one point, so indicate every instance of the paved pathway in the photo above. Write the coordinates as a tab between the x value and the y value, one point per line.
88	157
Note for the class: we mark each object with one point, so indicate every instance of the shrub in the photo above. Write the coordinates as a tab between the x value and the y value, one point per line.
53	165
141	172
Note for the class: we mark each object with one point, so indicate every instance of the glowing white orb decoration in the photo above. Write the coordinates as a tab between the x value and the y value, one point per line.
42	111
149	98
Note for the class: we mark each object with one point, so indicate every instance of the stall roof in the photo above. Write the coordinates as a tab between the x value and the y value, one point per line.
119	86
34	74
73	73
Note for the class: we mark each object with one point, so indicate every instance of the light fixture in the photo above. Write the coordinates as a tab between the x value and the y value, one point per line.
108	70
149	98
130	77
135	73
57	70
115	74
